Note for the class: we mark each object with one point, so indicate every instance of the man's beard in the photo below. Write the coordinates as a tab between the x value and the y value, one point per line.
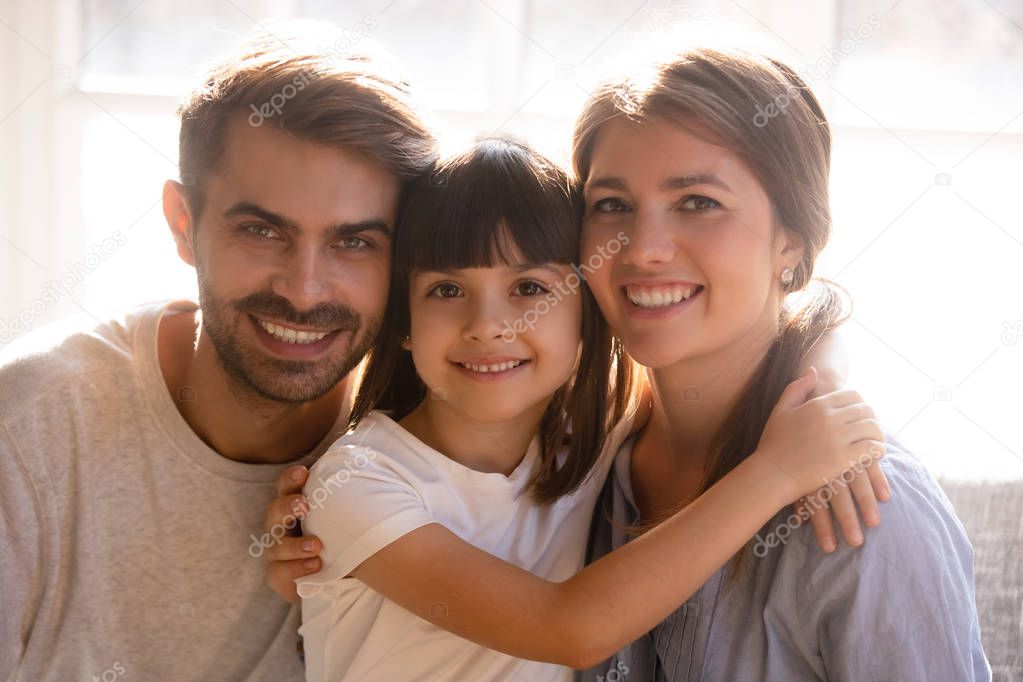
276	379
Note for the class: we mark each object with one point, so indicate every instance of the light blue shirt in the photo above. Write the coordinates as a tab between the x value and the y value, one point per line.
901	607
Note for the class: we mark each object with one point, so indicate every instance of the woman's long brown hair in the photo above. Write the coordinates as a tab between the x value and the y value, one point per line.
727	93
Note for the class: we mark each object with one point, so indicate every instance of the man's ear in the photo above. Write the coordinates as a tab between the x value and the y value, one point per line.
179	219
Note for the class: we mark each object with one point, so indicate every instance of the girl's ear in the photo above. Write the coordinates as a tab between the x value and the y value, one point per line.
406	342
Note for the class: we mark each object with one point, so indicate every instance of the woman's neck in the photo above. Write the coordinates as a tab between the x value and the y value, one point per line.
486	446
691	401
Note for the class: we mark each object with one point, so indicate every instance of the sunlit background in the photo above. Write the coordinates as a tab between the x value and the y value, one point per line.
926	100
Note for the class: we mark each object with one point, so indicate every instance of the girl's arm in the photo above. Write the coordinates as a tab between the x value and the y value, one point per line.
583	620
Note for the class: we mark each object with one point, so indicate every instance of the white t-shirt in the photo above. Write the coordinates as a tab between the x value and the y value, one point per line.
379	483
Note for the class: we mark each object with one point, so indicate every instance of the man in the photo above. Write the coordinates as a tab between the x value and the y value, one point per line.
137	458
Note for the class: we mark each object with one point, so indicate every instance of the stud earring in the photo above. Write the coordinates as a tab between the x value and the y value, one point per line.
787	275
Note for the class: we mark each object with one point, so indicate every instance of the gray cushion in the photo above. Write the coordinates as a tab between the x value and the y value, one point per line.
992	514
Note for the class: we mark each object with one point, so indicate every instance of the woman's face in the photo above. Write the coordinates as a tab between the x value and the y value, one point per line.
700	265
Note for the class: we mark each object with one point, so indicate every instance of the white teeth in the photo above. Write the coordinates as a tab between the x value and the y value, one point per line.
499	367
659	297
289	335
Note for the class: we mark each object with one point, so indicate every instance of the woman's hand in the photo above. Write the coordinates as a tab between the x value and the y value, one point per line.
291	555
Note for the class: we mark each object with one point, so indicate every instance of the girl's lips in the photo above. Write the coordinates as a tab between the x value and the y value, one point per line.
488	372
294	351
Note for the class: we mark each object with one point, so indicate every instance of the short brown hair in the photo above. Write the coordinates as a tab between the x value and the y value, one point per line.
315	94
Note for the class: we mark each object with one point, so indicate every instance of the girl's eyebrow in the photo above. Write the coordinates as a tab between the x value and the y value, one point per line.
517	267
523	267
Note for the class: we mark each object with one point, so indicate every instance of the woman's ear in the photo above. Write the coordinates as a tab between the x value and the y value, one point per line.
179	219
406	342
790	247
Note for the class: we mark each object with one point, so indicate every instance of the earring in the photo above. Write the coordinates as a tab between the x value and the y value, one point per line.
787	275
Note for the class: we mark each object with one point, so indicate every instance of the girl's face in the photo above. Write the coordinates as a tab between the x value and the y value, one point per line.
701	267
494	343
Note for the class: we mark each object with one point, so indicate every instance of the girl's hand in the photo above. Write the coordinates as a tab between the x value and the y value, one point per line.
291	555
814	441
830	358
867	487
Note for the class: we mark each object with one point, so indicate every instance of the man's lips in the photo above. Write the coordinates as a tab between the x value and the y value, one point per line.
291	341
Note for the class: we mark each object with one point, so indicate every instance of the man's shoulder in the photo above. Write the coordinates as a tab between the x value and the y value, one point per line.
66	353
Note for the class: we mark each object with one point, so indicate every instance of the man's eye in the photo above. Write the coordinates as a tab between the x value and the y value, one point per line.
609	205
354	243
699	203
262	231
530	288
446	290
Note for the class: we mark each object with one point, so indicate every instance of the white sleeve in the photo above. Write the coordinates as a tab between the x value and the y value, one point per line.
360	501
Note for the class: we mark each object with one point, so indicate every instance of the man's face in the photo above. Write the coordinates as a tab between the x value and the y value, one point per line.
293	251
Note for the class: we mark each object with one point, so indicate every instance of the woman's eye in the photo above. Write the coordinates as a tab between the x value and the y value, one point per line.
530	288
699	203
446	290
609	205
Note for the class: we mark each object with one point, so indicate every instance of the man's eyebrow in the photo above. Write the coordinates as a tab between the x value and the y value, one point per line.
247	208
336	231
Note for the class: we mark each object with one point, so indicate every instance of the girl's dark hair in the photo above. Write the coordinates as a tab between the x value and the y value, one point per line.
725	92
466	213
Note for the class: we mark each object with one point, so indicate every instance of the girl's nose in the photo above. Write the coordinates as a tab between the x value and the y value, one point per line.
487	321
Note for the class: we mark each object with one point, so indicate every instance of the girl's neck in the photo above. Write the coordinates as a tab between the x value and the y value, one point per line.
486	446
691	400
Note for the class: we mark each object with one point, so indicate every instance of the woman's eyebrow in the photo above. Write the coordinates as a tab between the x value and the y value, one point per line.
690	179
673	183
606	182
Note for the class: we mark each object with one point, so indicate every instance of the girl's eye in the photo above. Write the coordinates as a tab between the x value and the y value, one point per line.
609	205
530	288
261	230
699	203
354	243
446	290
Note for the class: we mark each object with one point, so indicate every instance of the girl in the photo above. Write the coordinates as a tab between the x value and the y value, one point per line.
731	208
454	526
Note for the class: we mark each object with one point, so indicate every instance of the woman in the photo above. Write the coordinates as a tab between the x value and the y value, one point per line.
726	211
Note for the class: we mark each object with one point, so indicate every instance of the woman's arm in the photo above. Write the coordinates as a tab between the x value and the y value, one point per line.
438	576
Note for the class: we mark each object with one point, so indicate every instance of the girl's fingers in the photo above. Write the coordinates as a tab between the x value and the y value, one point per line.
284	513
820	519
863	493
879	482
845	512
291	480
281	576
291	548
